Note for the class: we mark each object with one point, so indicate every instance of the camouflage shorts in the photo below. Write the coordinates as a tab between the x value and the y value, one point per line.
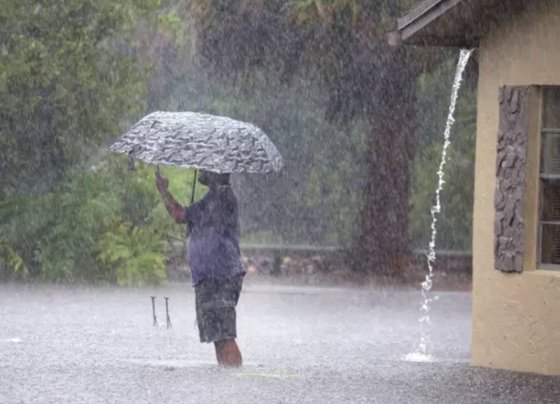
215	308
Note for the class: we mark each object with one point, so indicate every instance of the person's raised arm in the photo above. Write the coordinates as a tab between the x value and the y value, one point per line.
174	208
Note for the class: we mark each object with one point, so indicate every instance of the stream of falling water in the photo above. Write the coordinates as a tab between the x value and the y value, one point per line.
421	354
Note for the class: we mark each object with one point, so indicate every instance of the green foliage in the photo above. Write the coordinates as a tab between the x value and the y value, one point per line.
133	255
12	265
261	237
65	85
72	75
308	10
356	13
333	58
89	223
316	196
68	82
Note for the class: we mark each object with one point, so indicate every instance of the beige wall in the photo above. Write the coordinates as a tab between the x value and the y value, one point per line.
516	317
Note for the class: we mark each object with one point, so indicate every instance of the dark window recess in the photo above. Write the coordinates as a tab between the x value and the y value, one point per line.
551	200
551	244
549	223
551	107
550	153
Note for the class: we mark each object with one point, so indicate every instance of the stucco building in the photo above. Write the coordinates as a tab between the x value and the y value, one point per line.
516	229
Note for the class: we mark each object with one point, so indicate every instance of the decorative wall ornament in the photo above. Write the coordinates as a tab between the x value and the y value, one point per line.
509	197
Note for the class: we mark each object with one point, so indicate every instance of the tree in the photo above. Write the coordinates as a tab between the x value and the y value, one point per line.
68	82
365	79
65	84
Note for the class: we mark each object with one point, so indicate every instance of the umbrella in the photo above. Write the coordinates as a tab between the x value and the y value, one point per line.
200	141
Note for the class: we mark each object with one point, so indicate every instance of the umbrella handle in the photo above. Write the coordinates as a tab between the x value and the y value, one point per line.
194	185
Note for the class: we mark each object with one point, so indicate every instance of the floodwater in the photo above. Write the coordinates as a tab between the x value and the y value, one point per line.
300	345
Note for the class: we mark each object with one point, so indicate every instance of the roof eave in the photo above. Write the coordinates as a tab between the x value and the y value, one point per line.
409	27
394	38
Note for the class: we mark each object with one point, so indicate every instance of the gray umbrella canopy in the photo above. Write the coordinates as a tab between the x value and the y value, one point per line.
203	141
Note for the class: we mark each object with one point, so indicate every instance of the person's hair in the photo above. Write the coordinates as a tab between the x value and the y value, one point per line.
217	179
222	179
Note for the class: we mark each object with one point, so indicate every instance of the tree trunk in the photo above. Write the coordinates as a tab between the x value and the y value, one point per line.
383	243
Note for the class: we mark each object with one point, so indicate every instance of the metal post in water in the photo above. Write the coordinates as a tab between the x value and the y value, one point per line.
167	312
154	310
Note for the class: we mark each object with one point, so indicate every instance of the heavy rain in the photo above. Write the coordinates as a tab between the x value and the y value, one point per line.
216	201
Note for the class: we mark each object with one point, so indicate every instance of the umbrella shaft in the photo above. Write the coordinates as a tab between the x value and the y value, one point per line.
194	185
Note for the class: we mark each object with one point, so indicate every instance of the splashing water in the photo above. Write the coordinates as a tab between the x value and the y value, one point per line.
421	354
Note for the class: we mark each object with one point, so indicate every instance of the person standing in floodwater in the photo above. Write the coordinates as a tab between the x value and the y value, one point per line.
215	260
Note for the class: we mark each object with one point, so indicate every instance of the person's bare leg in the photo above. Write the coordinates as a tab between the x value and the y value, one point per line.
228	353
217	346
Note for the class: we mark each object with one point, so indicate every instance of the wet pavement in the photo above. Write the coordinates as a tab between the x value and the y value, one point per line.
300	345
